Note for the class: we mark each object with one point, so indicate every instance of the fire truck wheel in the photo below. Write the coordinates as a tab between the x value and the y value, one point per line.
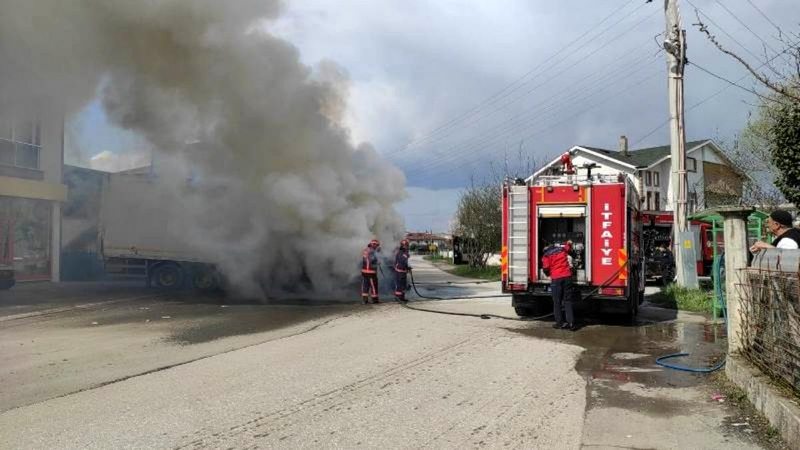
523	311
167	276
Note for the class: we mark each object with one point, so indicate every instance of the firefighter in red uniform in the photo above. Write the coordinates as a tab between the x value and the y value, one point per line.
369	272
401	269
556	264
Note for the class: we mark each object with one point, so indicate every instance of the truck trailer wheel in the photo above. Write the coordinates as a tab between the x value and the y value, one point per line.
167	276
205	279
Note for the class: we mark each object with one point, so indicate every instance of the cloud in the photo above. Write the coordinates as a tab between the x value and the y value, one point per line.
416	65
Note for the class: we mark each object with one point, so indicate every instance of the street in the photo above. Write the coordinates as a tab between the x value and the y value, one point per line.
124	367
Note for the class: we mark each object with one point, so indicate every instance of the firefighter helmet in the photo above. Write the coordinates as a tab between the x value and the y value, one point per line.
374	243
404	243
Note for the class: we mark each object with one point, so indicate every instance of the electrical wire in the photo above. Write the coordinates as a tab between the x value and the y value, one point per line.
525	120
733	83
706	99
765	16
519	83
583	110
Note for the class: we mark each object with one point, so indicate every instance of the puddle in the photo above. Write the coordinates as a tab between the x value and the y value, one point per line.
619	361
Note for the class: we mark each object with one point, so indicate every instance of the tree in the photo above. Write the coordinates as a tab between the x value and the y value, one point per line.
478	222
785	145
772	141
478	219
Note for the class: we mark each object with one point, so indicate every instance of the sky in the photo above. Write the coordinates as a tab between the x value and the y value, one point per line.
452	91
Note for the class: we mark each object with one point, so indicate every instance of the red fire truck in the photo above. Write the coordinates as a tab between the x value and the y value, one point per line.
658	241
599	213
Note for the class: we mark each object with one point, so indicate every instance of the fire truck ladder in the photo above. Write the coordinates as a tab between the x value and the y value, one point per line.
518	235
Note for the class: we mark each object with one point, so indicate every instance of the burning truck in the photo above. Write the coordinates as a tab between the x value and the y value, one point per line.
598	212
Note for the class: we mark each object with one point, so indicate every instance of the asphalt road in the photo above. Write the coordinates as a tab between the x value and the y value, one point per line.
118	367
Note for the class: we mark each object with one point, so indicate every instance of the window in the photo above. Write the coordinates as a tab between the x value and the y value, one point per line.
20	144
656	179
691	164
647	204
657	205
648	178
27	156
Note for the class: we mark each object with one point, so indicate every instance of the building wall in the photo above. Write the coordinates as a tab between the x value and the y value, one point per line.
31	192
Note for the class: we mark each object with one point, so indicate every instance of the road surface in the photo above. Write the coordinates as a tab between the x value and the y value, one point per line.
118	367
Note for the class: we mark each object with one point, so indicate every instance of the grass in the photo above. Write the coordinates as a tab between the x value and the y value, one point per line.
434	257
676	297
490	273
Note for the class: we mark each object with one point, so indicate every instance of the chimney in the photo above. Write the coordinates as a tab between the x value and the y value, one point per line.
623	145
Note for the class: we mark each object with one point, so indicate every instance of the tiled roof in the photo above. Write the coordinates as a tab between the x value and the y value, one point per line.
643	157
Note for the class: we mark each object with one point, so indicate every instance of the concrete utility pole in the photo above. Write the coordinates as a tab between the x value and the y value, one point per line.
675	46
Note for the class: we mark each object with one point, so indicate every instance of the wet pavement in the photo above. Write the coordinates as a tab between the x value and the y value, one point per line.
58	341
631	401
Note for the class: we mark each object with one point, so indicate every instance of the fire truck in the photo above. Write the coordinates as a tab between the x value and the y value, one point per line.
659	263
599	213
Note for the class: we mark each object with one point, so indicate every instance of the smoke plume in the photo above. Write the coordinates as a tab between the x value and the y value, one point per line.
282	198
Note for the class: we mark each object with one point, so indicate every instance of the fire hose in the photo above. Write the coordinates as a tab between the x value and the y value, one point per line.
450	313
489	316
715	367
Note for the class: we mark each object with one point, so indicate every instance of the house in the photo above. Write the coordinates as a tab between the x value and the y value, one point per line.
31	192
712	178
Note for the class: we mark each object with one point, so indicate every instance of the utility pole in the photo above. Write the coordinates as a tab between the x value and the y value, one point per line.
675	46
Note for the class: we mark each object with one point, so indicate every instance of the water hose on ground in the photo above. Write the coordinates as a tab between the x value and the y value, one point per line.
714	368
449	313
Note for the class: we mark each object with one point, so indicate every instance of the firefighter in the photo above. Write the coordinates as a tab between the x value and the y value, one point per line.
369	272
556	264
401	269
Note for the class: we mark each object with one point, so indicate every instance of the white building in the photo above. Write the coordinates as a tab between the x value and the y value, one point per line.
31	192
711	177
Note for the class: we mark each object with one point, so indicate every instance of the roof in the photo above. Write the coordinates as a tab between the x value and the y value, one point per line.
643	157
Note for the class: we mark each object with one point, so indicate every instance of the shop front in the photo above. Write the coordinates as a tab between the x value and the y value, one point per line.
27	231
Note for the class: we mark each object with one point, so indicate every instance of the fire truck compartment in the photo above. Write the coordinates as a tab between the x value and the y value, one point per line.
558	225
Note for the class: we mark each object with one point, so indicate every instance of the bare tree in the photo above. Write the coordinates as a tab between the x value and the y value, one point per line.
478	219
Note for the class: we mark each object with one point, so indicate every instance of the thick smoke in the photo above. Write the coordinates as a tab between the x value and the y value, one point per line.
281	198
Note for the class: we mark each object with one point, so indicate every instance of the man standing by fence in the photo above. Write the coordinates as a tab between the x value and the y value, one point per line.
779	223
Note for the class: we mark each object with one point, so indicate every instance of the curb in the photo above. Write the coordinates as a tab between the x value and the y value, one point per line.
782	412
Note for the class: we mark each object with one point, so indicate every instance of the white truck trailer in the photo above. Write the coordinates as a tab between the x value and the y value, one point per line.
145	233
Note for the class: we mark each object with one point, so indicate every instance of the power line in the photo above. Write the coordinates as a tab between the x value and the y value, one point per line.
700	11
710	96
745	25
578	95
506	127
733	83
512	87
584	109
765	16
575	88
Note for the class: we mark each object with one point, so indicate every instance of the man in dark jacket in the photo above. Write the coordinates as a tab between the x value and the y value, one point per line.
556	264
779	223
401	269
369	272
